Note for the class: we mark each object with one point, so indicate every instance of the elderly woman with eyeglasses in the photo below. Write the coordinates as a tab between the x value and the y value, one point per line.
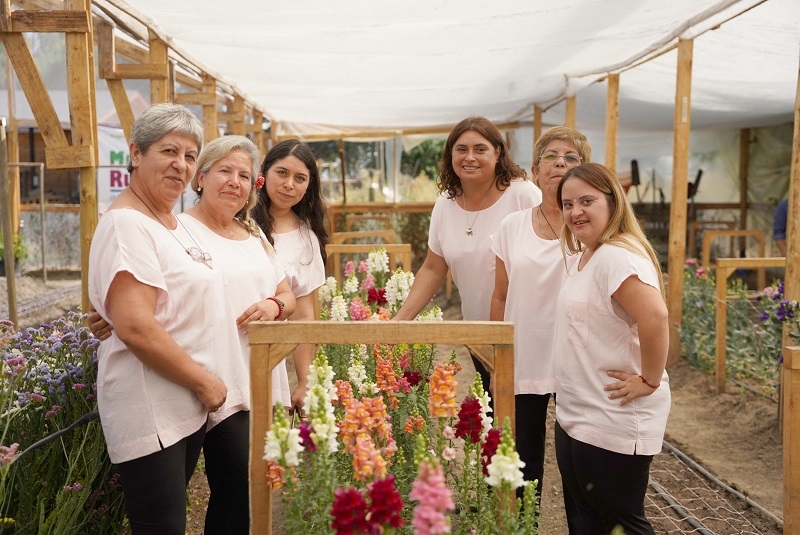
529	273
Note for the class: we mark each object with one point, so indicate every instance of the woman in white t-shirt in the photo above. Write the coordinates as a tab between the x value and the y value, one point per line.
612	337
480	184
291	212
530	272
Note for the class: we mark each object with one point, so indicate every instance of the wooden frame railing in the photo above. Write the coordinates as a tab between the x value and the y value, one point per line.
350	219
710	235
270	342
725	268
387	235
704	226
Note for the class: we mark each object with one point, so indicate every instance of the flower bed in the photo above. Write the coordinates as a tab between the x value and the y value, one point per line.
66	485
387	447
754	327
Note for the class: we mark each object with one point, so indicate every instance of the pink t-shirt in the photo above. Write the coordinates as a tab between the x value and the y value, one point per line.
470	258
593	335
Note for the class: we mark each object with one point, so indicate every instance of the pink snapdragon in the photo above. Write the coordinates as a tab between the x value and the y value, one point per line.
434	498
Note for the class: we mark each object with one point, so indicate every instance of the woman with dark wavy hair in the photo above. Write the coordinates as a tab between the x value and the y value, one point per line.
291	212
480	184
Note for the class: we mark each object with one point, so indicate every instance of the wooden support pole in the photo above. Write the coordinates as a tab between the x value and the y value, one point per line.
744	164
159	90
677	216
13	151
83	117
791	356
570	112
6	227
344	182
210	130
612	122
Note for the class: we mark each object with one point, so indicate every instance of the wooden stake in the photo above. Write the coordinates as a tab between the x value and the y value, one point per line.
612	122
570	112
677	216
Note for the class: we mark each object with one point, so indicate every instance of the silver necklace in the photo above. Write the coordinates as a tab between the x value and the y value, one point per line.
195	253
466	213
539	211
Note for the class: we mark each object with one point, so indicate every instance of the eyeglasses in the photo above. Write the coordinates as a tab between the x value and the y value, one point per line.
569	159
584	201
199	256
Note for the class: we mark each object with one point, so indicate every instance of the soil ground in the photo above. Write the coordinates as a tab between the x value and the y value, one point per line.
734	435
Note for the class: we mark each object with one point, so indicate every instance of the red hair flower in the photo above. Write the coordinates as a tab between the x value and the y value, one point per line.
260	181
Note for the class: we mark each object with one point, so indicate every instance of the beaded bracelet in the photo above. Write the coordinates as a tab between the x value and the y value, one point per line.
280	305
648	384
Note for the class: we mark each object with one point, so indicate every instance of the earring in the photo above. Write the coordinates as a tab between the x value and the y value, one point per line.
200	187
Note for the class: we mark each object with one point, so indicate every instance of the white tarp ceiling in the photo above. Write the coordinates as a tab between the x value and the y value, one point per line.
421	63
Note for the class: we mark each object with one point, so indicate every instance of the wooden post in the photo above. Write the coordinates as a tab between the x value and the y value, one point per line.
344	182
677	216
744	164
612	122
7	227
159	90
13	151
210	129
570	112
83	119
791	356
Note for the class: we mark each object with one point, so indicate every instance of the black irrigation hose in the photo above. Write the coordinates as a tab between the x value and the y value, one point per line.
685	516
752	390
85	419
711	477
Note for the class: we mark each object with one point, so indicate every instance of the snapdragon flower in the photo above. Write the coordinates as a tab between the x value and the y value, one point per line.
505	466
378	261
398	287
338	309
283	444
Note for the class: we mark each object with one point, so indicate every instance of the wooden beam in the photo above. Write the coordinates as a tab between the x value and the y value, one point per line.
123	106
5	15
210	130
537	122
50	21
677	216
612	122
148	71
238	110
6	228
158	56
69	157
197	99
570	112
790	389
13	150
35	91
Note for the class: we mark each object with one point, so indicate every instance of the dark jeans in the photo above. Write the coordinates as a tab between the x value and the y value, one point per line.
602	489
226	451
531	418
154	487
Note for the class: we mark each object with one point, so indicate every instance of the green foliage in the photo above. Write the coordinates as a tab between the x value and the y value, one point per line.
423	159
753	338
49	377
20	251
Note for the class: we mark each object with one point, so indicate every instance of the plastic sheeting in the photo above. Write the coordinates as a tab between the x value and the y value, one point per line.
365	64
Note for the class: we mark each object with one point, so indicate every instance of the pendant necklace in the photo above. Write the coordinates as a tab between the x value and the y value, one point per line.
539	211
466	213
195	253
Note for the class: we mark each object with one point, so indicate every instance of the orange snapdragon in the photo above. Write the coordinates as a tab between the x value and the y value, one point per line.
442	400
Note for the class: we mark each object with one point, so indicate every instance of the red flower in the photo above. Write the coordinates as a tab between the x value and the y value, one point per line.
413	378
489	448
386	503
349	511
469	424
377	296
305	435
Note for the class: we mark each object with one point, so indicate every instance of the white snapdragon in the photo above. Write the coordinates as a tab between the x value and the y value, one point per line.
327	290
339	309
323	420
368	388
397	288
283	445
434	314
378	261
351	285
357	373
505	466
476	389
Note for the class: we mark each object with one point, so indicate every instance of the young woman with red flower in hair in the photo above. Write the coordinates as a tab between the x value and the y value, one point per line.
291	212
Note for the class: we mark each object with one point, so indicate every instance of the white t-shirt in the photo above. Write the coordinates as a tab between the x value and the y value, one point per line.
299	252
470	258
140	410
249	275
593	335
536	271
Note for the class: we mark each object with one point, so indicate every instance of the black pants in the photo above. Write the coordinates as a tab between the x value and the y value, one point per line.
226	451
531	417
154	487
602	489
